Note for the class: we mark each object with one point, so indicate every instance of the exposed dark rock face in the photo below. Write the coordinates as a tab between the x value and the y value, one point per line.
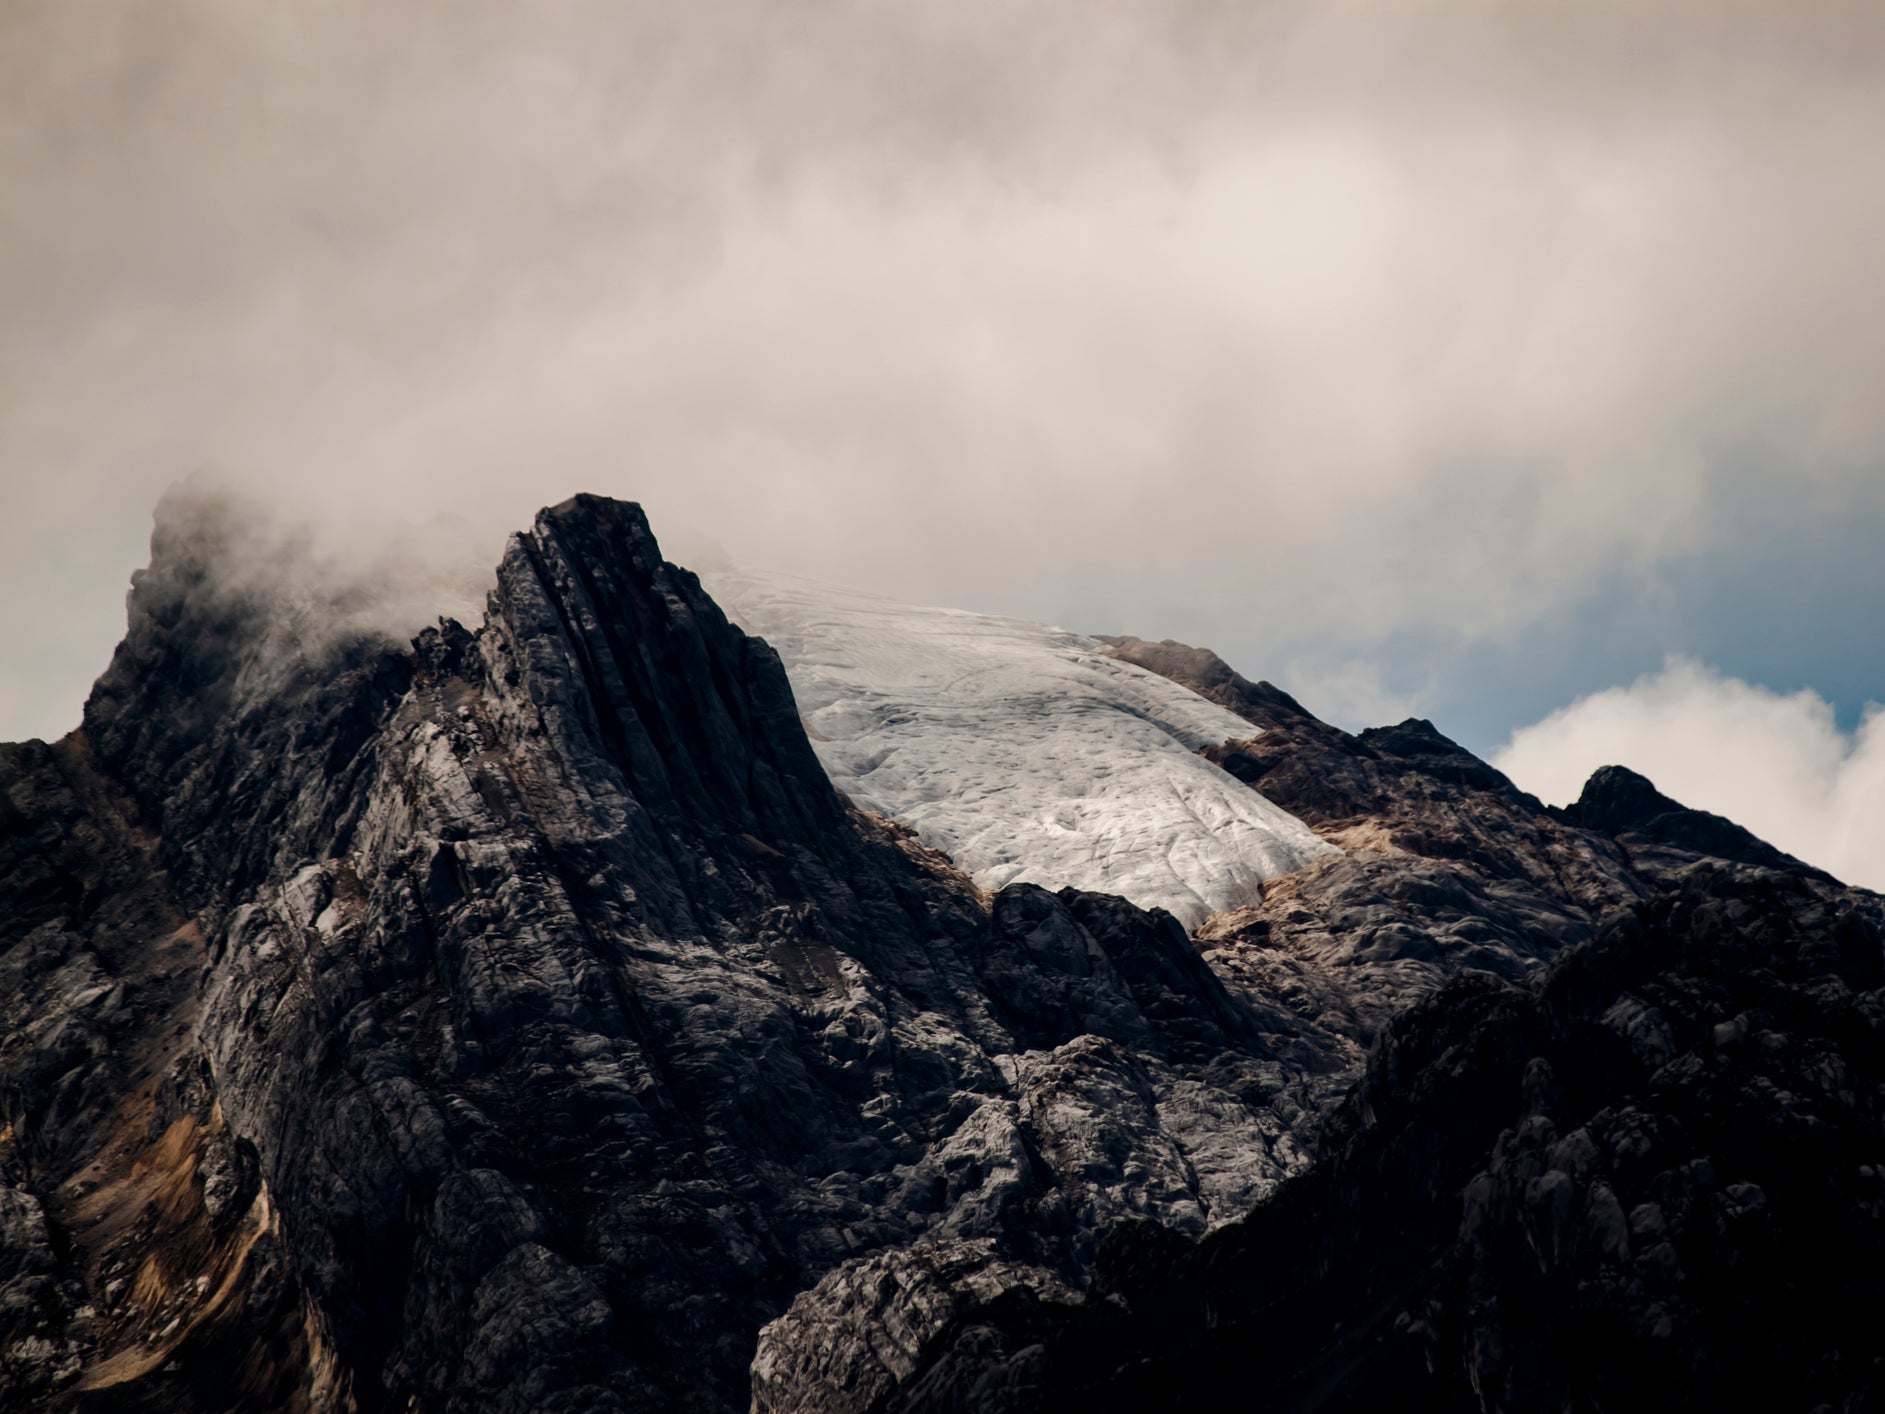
518	1019
1447	866
1650	1182
1660	834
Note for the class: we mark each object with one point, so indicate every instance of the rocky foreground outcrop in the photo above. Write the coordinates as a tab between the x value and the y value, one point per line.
517	1019
1650	1181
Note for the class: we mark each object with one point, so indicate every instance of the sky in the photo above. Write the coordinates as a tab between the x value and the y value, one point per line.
1517	365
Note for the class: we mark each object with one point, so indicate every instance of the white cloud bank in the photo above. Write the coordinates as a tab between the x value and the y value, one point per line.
1776	763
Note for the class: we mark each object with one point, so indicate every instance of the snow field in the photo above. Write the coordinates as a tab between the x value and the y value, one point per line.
1021	750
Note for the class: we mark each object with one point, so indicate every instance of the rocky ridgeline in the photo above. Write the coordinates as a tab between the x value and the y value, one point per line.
518	1019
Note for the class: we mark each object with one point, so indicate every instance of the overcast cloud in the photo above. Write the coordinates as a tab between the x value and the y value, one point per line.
1303	330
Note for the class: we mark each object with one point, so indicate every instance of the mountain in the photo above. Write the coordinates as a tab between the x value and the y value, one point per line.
520	1019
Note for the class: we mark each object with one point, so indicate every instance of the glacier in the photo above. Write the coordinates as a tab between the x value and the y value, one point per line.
1021	750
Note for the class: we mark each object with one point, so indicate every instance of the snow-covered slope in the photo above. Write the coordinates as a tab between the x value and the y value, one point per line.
1022	750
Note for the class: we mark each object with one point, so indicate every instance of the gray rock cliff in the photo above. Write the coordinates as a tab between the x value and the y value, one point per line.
520	1020
516	1018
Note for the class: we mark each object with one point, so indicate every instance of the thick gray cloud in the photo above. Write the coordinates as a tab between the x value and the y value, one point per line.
1297	329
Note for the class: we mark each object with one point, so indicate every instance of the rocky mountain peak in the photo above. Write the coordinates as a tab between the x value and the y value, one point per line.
520	1018
1618	801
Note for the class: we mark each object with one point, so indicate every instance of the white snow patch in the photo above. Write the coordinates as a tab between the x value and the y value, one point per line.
1022	750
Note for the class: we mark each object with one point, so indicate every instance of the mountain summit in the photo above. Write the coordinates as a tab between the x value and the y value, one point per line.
535	1016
